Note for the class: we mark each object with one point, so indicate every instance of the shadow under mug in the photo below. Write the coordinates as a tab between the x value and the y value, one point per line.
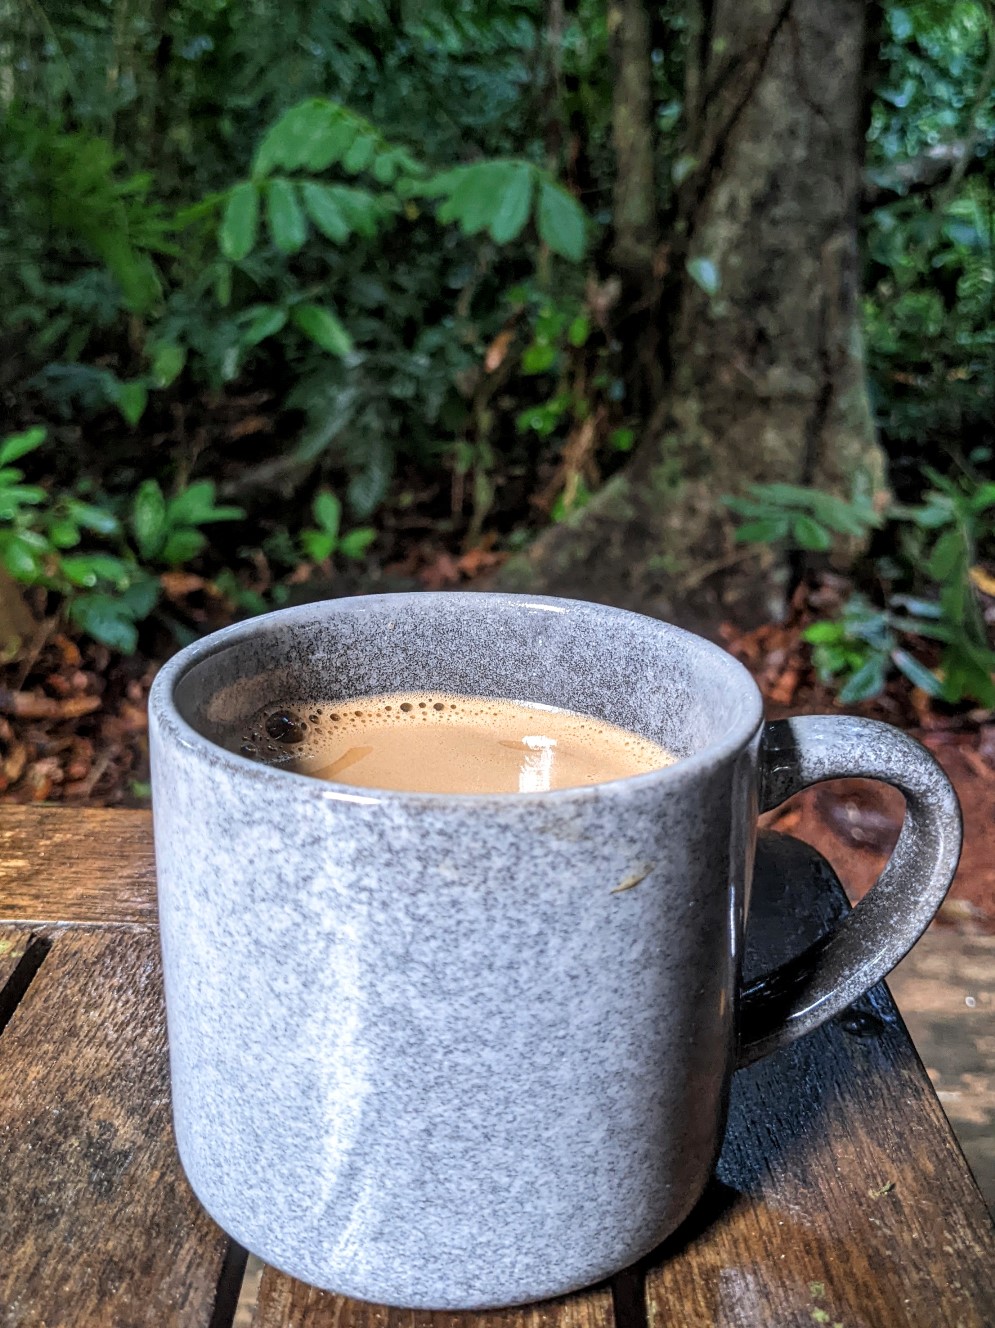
463	1051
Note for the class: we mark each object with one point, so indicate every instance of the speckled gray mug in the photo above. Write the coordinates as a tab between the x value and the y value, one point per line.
458	1051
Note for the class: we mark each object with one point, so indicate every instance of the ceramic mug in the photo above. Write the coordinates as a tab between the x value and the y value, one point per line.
463	1051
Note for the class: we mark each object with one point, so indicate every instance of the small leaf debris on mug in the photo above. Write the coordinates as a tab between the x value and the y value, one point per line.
633	880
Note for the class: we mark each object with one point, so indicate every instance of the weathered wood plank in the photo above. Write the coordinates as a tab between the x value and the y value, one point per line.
842	1196
284	1303
14	941
82	865
97	1222
21	952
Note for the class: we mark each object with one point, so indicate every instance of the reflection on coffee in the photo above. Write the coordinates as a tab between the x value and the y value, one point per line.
432	742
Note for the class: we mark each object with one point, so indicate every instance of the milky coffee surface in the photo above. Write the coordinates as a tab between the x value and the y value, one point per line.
432	742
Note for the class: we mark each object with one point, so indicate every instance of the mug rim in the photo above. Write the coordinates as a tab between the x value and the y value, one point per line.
164	710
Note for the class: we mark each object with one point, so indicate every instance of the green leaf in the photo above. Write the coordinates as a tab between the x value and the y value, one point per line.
262	321
368	488
538	358
317	544
868	681
19	495
194	506
473	199
343	127
980	500
784	495
704	274
328	513
239	223
355	544
622	440
140	598
917	673
287	223
148	519
182	545
131	400
810	535
359	207
86	569
21	558
843	517
167	364
222	285
107	620
929	517
823	632
303	135
948	555
579	330
90	517
324	209
385	167
561	221
922	608
829	660
764	531
516	184
360	154
63	533
324	328
19	444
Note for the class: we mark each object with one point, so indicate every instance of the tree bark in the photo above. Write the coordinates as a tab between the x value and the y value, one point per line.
634	203
16	620
768	379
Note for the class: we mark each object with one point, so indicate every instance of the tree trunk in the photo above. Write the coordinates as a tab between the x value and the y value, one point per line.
634	203
768	380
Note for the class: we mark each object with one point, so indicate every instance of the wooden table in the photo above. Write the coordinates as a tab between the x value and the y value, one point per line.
841	1196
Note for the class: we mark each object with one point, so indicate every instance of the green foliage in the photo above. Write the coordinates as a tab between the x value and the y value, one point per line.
337	208
803	518
109	589
325	538
499	196
937	542
74	186
167	532
930	269
292	230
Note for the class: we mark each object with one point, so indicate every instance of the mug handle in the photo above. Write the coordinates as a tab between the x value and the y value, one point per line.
869	942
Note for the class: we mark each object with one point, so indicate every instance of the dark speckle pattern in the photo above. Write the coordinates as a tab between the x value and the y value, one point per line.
425	1050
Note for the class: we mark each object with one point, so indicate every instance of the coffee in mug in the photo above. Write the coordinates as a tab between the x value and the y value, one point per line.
437	742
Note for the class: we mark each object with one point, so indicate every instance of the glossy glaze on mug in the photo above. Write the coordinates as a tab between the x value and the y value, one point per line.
458	1051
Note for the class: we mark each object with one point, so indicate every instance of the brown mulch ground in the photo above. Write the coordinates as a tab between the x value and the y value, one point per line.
73	727
855	822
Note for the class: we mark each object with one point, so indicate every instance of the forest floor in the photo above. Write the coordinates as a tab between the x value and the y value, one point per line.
74	728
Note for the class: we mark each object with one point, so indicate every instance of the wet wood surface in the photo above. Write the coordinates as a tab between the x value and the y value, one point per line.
79	865
97	1222
841	1194
841	1197
284	1302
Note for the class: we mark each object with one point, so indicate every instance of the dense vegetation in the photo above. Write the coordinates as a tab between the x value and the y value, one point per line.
313	285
